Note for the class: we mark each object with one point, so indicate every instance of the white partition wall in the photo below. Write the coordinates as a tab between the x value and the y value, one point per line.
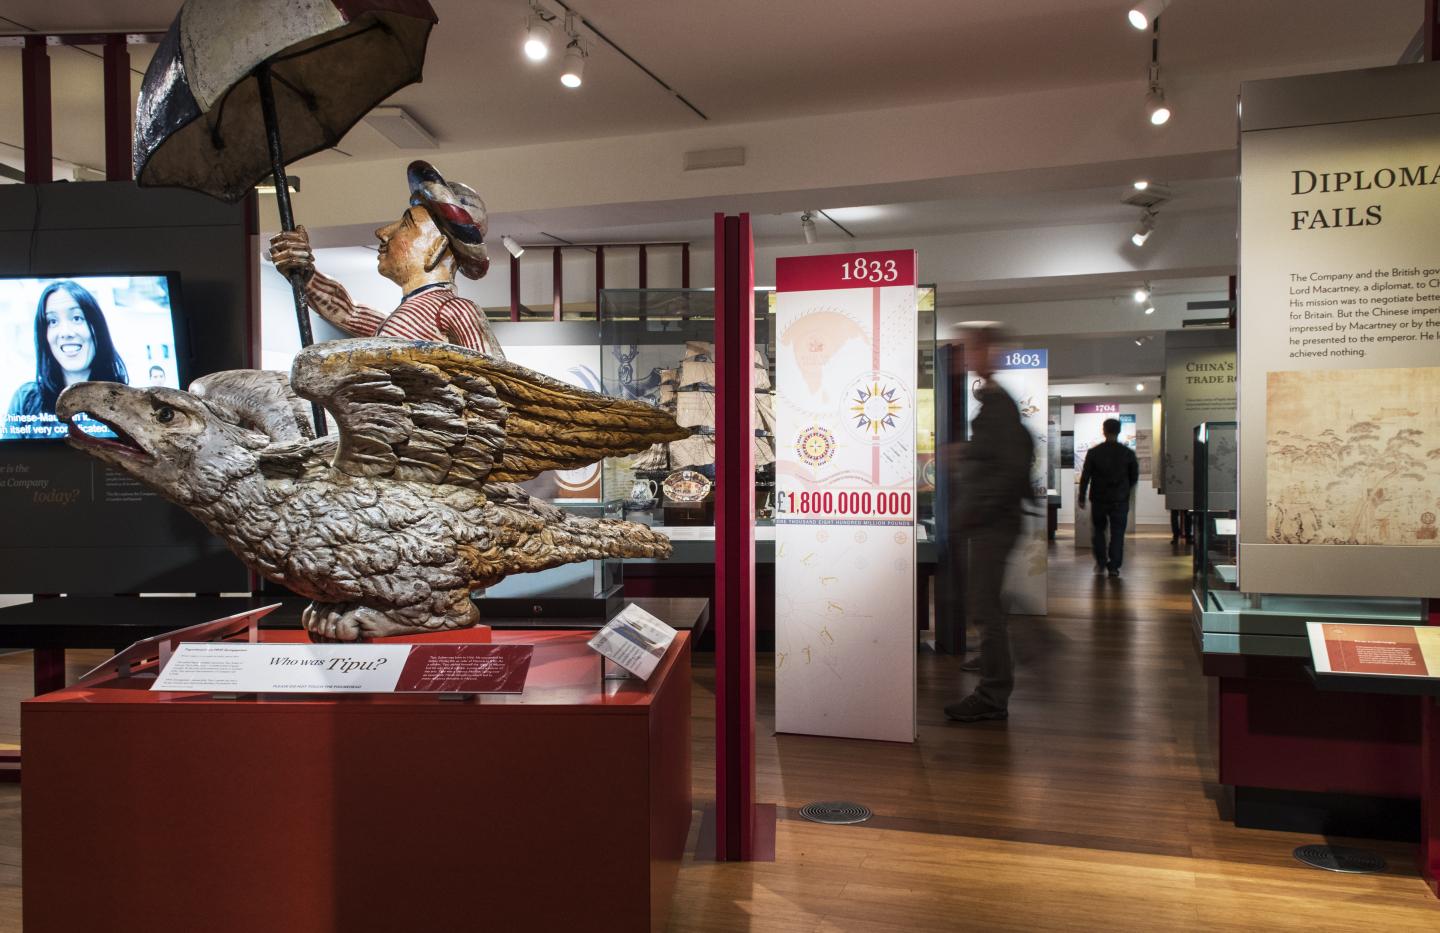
1025	375
845	474
1340	334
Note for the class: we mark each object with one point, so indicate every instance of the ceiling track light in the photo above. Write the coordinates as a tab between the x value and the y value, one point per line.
1143	229
807	227
1155	107
512	247
1141	184
537	33
575	54
1145	12
1142	294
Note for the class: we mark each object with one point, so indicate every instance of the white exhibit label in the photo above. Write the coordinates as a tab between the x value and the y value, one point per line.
845	495
1339	343
236	667
635	640
435	667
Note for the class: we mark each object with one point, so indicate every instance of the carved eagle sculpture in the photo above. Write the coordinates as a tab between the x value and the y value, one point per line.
388	526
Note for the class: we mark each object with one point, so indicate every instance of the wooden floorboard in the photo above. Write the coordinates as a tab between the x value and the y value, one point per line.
1093	807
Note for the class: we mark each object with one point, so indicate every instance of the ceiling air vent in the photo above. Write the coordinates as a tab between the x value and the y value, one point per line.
697	159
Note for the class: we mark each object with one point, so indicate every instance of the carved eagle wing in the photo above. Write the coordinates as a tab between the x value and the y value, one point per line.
438	413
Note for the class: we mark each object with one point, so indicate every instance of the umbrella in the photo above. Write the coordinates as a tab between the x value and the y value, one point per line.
239	88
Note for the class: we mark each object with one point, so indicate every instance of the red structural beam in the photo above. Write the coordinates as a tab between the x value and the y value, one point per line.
557	282
599	276
35	103
734	540
1431	29
514	288
118	115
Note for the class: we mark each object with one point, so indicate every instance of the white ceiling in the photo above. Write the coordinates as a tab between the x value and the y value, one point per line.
743	61
751	60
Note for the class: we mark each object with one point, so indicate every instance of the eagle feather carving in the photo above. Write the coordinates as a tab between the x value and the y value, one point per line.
388	525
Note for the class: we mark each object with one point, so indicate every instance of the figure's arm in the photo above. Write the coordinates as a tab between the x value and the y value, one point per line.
466	325
291	253
1134	468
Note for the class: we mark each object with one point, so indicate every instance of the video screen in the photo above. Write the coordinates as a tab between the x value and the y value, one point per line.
96	328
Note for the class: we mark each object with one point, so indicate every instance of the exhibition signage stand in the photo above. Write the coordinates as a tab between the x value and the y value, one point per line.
845	477
1339	324
1025	375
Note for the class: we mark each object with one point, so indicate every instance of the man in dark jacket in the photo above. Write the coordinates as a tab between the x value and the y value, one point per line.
1111	472
994	483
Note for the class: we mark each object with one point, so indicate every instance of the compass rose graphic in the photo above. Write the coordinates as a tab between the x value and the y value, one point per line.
877	408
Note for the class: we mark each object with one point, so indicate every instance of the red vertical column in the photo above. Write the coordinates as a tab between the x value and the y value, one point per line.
558	282
514	288
1430	781
599	277
1431	30
118	116
734	540
35	102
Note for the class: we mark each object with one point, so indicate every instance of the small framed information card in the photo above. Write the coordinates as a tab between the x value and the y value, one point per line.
635	640
238	667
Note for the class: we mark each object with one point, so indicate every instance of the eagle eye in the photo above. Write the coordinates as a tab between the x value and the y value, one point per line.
165	414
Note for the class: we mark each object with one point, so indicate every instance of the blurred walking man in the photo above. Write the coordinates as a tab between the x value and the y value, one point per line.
994	483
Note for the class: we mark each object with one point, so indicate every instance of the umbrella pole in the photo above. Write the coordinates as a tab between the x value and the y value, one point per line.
287	217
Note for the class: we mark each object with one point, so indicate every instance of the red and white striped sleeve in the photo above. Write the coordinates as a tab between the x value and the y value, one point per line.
462	323
332	302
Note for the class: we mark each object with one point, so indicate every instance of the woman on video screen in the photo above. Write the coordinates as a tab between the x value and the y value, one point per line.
72	344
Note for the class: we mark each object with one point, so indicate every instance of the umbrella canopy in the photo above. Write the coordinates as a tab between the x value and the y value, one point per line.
199	122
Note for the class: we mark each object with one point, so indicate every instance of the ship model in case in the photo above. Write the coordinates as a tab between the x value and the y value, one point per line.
684	470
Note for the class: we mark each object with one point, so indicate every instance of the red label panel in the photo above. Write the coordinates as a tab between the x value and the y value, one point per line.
1374	649
440	668
845	270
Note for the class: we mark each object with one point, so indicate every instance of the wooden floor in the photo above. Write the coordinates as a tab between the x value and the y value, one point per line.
1093	808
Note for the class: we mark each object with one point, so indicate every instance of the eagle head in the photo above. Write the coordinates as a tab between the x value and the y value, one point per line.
165	438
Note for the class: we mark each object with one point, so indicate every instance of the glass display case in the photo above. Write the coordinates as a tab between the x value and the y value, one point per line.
658	345
1229	621
1214	561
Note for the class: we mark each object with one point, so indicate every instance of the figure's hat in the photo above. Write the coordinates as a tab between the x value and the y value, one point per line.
459	213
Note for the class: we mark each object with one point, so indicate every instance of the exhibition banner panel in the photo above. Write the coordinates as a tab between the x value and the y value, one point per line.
1199	387
1025	375
845	475
1339	344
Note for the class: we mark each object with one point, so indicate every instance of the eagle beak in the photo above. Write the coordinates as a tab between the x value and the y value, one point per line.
104	402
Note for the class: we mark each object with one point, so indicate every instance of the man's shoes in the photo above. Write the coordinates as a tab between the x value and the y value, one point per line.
1114	574
973	709
971	664
1099	570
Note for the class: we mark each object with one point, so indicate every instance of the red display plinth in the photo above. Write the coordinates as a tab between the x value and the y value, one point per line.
563	808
